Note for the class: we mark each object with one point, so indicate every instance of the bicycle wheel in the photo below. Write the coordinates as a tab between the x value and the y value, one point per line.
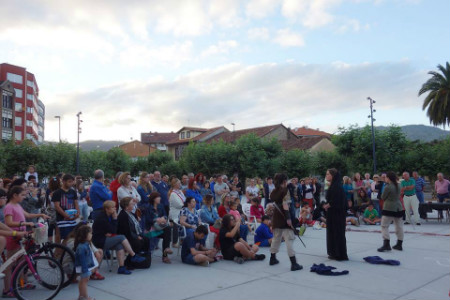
42	285
66	258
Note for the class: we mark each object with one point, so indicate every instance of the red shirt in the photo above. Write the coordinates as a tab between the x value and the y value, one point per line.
222	211
257	211
113	187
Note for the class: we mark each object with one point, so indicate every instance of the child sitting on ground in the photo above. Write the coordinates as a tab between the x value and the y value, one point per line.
84	259
305	215
256	210
263	234
371	215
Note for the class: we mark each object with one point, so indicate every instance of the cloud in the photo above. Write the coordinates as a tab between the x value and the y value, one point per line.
220	47
287	38
259	33
250	96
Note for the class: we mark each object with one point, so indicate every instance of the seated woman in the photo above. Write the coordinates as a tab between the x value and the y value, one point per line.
193	190
208	214
233	247
189	218
128	225
256	209
224	207
104	236
206	190
159	222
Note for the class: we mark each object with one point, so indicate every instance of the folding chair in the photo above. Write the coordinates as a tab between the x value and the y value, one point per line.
250	219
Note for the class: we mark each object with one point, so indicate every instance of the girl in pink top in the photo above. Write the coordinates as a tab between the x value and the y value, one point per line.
233	211
256	210
15	218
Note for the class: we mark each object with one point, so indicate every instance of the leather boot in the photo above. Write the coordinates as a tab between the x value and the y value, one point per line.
294	265
273	259
386	246
398	246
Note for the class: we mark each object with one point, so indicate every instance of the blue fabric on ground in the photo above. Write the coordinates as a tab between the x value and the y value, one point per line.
376	260
322	269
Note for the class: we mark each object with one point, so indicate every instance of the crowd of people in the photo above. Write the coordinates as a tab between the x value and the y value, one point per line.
130	217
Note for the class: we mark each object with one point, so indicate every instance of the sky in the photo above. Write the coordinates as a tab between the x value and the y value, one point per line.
138	66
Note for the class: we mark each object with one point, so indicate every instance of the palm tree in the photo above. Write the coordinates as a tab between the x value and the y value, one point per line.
438	98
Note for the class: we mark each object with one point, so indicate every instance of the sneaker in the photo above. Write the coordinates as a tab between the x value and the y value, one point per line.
260	257
123	270
137	259
238	260
204	264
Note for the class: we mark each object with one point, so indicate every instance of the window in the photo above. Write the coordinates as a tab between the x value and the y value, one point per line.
29	136
18	106
7	101
182	135
6	135
30	83
29	123
18	135
14	78
30	110
18	121
19	93
30	97
188	134
6	122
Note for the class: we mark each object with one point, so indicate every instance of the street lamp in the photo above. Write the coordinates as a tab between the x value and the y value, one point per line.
59	121
78	143
372	102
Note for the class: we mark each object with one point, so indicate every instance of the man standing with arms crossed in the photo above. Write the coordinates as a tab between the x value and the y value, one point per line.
410	199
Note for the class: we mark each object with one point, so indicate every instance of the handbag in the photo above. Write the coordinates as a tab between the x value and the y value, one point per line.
159	227
374	196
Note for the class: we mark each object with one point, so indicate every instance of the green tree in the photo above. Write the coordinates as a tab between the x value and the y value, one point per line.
158	158
117	161
296	163
17	158
322	161
437	102
56	158
93	160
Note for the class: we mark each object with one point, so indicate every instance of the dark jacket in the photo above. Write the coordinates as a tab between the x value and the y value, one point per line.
126	226
102	225
156	213
280	215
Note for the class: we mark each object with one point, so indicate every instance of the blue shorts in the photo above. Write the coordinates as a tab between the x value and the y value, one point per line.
64	231
189	259
264	243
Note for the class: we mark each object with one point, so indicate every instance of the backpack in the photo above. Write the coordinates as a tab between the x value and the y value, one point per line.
143	265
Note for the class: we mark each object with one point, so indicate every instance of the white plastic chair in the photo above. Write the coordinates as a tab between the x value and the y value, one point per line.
251	219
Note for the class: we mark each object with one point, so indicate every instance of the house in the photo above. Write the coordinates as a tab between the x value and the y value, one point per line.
309	143
158	139
187	134
309	132
278	131
137	149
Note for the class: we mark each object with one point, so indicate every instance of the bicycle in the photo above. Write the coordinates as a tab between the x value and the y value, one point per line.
33	276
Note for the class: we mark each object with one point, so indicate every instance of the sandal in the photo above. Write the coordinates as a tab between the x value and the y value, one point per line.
27	286
8	294
166	260
168	251
97	276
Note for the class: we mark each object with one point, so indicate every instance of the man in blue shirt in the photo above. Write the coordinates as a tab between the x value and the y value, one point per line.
420	184
163	190
98	193
263	234
194	252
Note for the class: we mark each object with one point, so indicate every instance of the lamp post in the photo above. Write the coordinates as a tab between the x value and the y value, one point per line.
78	142
59	126
372	102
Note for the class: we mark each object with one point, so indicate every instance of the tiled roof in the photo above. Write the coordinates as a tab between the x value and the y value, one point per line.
193	129
303	143
157	137
230	137
304	131
199	137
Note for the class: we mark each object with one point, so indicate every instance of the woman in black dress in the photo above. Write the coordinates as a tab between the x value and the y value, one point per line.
336	209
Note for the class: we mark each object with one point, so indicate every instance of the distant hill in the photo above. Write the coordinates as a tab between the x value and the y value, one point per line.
99	145
422	133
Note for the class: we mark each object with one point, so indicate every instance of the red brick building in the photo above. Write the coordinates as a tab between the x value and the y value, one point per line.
137	149
29	111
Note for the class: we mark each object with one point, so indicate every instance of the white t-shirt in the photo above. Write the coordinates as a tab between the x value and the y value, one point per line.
252	191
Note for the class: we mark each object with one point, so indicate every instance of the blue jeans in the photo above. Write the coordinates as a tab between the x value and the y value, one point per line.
84	211
420	197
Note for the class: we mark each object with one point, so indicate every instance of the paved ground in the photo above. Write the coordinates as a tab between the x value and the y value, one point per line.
424	272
